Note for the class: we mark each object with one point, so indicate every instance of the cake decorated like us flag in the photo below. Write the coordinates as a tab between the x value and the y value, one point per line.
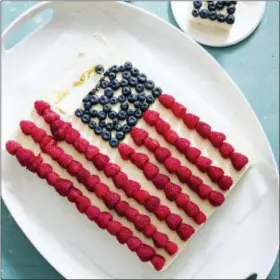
133	160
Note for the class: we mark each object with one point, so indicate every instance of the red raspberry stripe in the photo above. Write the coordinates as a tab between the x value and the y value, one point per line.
103	219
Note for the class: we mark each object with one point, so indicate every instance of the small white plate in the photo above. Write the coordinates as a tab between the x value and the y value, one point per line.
248	16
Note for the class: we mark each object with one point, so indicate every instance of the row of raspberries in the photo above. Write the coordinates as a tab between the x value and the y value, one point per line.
162	182
102	162
104	220
205	131
173	165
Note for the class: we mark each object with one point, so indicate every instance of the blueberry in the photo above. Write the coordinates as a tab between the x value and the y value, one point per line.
92	124
144	107
106	73
157	91
149	84
204	13
114	142
121	68
197	4
103	100
112	75
102	123
108	92
231	9
141	97
121	98
230	19
117	127
195	12
128	65
86	112
112	115
130	112
140	87
94	100
99	69
115	84
87	105
107	108
109	126
102	115
234	2
212	15
219	5
126	91
126	75
132	98
120	135
124	106
106	135
85	118
124	83
93	113
132	81
227	3
131	121
142	78
98	130
104	83
126	128
86	98
92	92
221	18
114	100
138	113
114	69
134	72
115	121
122	115
79	113
150	99
211	6
137	104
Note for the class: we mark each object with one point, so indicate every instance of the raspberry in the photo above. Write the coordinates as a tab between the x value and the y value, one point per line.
56	125
162	154
50	116
150	170
140	196
160	239
166	100
150	117
81	145
203	191
226	150
238	160
100	161
158	262
133	243
12	147
92	212
125	151
43	170
41	106
173	221
194	182
181	200
191	209
91	152
216	198
141	221
124	235
120	179
121	207
203	129
24	156
215	173
59	134
139	159
171	248
160	181
192	154
151	144
172	164
131	213
64	160
52	178
55	152
149	230
47	140
91	182
184	174
182	144
114	227
33	167
200	218
178	109
225	182
71	135
82	175
130	187
185	231
101	190
111	199
73	167
111	169
138	135
37	134
63	186
171	136
203	163
171	191
151	203
26	127
217	138
162	212
145	253
103	219
162	126
191	120
73	194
